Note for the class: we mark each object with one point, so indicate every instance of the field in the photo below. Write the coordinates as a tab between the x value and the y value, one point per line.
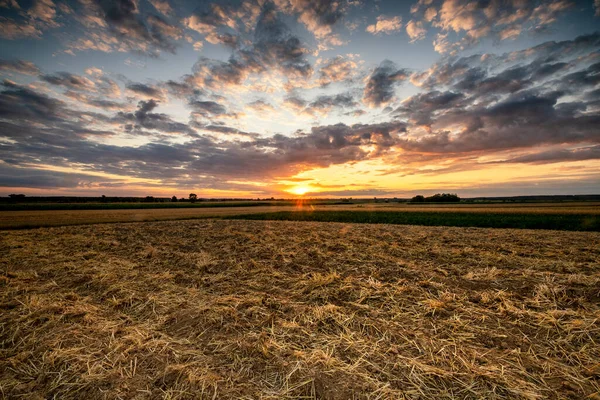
567	221
585	214
278	309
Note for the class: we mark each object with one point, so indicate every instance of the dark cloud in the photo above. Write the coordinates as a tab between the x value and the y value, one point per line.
144	118
423	108
182	89
583	79
207	108
355	113
20	103
45	179
213	73
125	20
324	104
19	67
226	130
99	102
68	80
380	84
260	106
283	155
522	120
536	63
295	102
559	155
148	91
273	46
481	103
63	145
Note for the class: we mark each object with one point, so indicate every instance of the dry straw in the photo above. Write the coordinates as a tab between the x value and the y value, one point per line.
275	310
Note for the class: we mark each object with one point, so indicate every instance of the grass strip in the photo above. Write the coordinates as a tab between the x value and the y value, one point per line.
565	222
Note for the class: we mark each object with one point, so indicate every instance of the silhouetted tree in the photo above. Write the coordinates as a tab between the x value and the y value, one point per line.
193	197
16	197
149	199
174	199
437	198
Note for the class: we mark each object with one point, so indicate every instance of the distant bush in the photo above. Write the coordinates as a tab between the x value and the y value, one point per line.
16	198
436	198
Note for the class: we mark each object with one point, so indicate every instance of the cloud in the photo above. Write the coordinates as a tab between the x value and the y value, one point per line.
27	23
121	25
379	88
260	106
19	177
146	91
62	144
274	45
355	113
323	105
211	16
183	89
295	103
386	25
44	10
226	130
162	6
282	155
146	119
273	48
319	16
10	29
477	19
19	67
20	103
515	101
544	60
95	101
559	155
337	69
415	30
68	80
207	109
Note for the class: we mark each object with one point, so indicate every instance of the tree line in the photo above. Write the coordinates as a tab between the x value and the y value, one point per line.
437	198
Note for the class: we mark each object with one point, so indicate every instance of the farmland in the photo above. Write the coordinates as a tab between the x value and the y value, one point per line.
433	217
289	309
587	212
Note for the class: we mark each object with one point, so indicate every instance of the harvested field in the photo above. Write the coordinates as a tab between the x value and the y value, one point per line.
274	309
38	218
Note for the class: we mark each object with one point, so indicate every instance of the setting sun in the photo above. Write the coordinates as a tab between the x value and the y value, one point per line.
300	190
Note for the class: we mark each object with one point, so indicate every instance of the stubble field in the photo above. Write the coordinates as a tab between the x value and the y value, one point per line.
278	309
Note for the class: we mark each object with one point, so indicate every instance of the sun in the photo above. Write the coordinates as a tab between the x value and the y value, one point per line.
300	190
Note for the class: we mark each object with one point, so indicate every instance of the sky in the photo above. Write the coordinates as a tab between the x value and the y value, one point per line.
286	98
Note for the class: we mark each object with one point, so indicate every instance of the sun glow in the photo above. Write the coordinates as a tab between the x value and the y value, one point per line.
300	190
